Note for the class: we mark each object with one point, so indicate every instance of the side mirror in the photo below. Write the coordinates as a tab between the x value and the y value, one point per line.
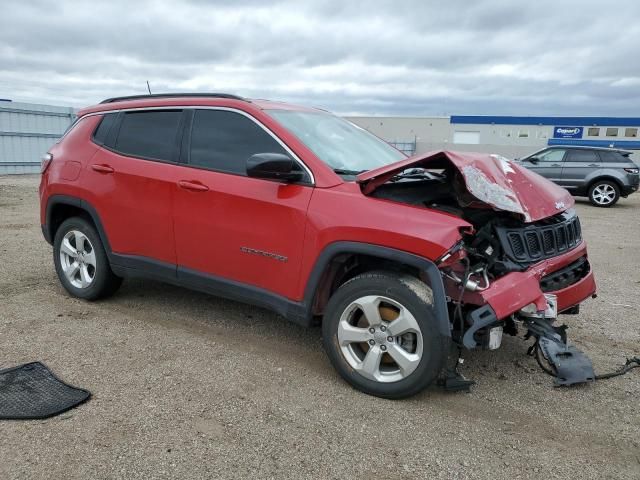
274	166
534	160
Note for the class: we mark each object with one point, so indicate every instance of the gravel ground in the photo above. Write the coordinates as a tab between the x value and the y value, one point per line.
191	386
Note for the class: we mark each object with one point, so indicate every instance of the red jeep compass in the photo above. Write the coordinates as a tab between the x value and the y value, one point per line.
404	261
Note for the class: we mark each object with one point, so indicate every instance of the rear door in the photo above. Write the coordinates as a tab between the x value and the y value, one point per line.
131	178
231	227
578	165
549	164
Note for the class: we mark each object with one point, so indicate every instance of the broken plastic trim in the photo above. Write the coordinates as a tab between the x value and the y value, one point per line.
451	379
479	318
568	364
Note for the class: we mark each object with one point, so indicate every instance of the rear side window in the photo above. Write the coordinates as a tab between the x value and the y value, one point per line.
222	140
150	134
582	156
100	135
613	157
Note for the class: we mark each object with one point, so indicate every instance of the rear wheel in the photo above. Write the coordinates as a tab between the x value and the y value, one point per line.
81	261
382	336
604	193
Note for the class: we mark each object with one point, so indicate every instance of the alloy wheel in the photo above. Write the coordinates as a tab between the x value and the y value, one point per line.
78	259
603	194
380	338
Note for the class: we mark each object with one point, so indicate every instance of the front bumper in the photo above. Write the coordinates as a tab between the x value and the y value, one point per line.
512	292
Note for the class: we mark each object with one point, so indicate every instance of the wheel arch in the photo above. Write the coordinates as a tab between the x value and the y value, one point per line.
608	177
325	278
61	207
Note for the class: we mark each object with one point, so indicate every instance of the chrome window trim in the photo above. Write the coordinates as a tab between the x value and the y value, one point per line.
208	107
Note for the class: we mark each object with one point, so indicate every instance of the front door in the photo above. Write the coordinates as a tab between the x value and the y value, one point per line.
549	164
227	225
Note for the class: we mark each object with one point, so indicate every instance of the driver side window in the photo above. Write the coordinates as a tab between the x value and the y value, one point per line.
555	155
223	141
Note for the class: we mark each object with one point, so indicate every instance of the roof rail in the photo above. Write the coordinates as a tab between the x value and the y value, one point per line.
171	95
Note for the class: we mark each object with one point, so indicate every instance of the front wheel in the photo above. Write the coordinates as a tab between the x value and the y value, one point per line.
381	334
604	193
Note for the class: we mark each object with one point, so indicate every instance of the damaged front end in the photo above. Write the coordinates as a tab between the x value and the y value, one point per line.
522	262
504	275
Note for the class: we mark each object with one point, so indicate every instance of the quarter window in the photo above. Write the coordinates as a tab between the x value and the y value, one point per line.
104	127
612	157
222	140
149	134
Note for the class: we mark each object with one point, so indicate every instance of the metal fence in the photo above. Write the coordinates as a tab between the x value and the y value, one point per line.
26	133
409	148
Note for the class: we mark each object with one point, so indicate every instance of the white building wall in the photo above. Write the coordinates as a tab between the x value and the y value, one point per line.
511	141
26	133
437	133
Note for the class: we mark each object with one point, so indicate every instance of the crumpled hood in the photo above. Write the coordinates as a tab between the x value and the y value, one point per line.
492	179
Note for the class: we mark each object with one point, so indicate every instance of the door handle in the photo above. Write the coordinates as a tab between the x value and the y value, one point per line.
192	186
556	165
102	168
593	165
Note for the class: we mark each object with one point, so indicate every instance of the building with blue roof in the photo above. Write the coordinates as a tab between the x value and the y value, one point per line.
510	136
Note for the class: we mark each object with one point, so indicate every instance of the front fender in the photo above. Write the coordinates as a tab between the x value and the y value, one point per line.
426	266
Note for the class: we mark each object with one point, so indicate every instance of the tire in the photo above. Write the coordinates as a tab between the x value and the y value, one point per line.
604	193
85	274
422	350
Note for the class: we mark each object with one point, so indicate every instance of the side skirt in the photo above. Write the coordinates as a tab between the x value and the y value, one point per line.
132	266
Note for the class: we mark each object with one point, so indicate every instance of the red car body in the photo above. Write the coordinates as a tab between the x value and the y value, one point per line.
277	242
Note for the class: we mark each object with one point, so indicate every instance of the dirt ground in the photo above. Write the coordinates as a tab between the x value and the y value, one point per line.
191	386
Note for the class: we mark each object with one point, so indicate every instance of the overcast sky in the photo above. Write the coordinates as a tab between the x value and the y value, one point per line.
399	57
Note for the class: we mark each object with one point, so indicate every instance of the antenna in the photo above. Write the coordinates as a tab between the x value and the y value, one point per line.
148	87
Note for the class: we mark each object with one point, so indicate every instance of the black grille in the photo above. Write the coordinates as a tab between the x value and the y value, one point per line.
540	240
561	237
565	277
533	244
517	244
548	243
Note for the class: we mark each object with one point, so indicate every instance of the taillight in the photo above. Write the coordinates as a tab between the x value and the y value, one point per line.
44	163
631	170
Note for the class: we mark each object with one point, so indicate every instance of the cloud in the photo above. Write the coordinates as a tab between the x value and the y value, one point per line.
372	57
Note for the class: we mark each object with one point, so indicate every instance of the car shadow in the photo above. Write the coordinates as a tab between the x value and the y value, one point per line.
168	306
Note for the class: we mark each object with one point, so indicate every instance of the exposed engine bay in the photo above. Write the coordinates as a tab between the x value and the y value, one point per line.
500	241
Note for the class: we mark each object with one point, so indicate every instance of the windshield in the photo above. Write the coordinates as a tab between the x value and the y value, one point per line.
345	147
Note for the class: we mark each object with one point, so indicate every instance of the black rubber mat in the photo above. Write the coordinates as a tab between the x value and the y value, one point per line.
31	391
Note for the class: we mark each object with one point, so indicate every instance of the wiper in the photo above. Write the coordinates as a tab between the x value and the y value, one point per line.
343	171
